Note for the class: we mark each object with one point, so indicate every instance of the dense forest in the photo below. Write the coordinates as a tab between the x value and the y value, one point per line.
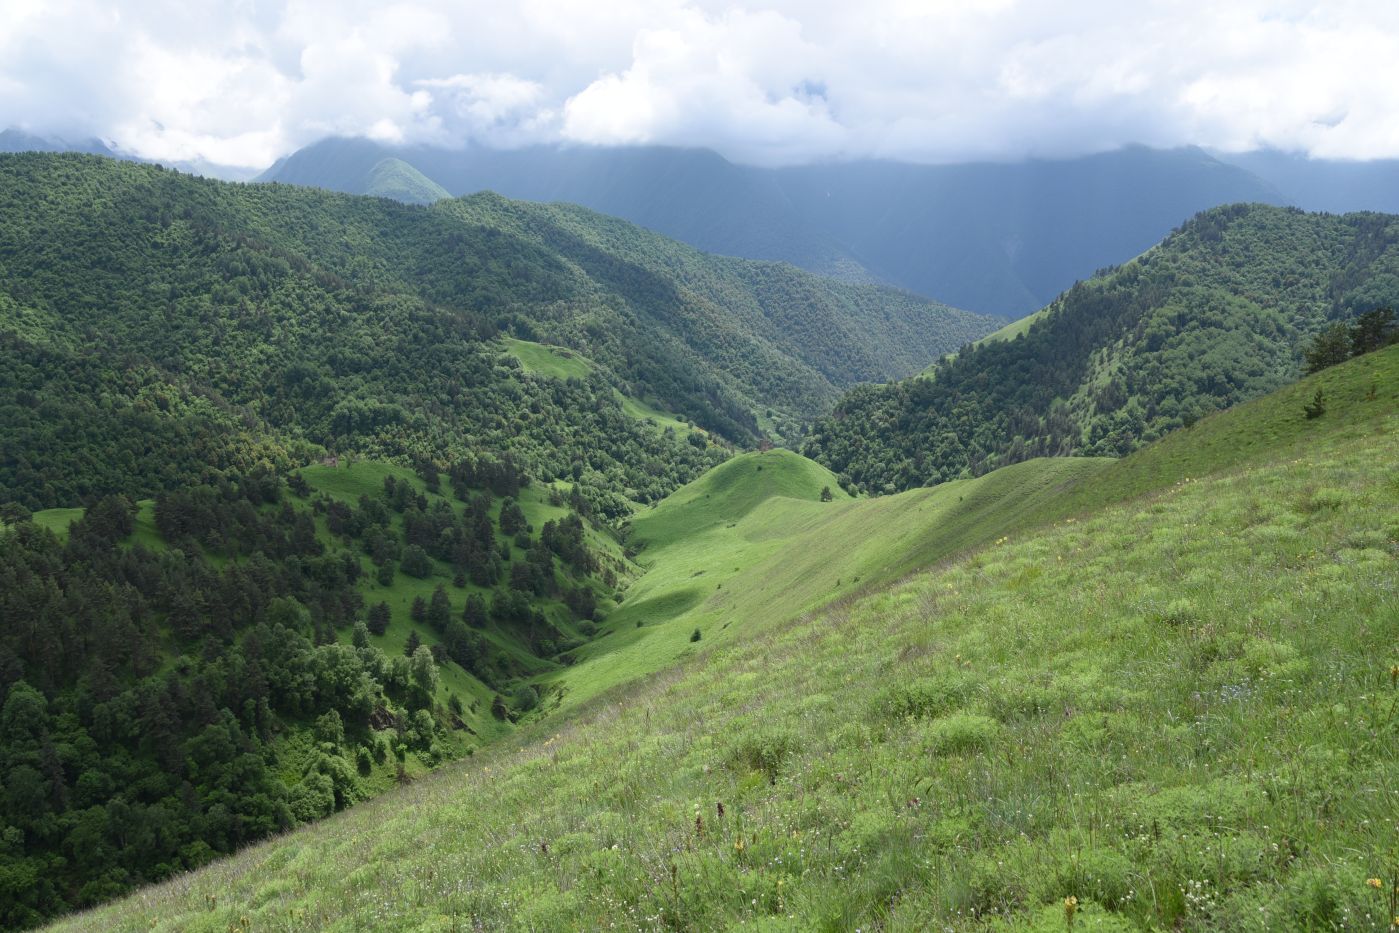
250	652
1221	311
152	323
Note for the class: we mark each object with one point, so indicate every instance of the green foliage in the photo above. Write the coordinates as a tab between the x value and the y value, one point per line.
1316	407
1339	342
1209	318
244	653
1175	709
154	325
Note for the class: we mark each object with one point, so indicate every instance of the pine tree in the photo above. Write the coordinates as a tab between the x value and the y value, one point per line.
379	619
439	611
414	643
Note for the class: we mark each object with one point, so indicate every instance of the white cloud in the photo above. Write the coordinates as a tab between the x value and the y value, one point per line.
768	81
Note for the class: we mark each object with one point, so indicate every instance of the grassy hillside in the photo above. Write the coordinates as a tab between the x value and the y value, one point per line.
742	548
751	545
1178	710
396	179
1218	313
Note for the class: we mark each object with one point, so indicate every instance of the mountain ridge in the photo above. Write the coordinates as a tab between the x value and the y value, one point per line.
991	237
1217	313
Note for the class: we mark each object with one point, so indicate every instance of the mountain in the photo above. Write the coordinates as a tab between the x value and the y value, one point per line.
188	323
1012	236
304	494
396	179
16	140
996	238
693	195
1119	709
1333	185
1215	314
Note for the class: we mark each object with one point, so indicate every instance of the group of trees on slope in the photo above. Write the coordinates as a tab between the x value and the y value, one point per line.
237	323
160	705
1218	313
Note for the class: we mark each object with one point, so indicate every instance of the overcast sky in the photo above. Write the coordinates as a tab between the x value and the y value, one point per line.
243	82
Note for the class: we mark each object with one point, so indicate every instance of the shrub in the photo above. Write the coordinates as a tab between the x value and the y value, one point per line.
1316	407
923	698
766	750
962	732
525	698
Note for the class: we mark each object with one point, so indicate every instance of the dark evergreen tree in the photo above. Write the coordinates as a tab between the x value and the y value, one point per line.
439	610
379	619
416	562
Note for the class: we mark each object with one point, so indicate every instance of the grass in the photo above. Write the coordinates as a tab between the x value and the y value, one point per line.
563	363
1177	709
750	544
1163	688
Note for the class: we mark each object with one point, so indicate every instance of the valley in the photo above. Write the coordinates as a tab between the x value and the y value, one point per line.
1087	703
699	466
481	563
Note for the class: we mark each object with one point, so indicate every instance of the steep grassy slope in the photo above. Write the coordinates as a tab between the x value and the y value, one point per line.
1216	314
750	545
1179	710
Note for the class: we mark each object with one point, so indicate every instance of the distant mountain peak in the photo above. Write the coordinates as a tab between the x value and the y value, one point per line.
396	179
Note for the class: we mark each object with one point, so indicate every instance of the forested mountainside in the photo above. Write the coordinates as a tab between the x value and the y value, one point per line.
154	324
186	675
999	238
1216	314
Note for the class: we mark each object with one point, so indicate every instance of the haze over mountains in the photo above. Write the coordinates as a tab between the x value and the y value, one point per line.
997	238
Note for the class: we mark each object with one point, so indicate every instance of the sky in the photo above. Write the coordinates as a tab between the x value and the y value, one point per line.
243	82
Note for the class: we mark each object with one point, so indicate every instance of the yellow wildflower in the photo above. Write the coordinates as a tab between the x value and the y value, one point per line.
1374	883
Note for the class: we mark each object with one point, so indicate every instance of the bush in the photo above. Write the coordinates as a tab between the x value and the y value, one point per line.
1316	407
766	750
924	698
525	698
416	562
962	732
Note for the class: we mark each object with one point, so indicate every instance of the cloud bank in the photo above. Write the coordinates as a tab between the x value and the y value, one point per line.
243	82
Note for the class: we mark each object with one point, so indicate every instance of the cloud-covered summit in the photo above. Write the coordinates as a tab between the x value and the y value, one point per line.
241	83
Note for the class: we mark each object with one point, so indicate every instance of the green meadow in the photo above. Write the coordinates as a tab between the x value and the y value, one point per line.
1160	693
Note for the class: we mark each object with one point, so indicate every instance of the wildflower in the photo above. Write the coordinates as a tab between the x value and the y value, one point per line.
1374	883
1070	908
1394	675
738	845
